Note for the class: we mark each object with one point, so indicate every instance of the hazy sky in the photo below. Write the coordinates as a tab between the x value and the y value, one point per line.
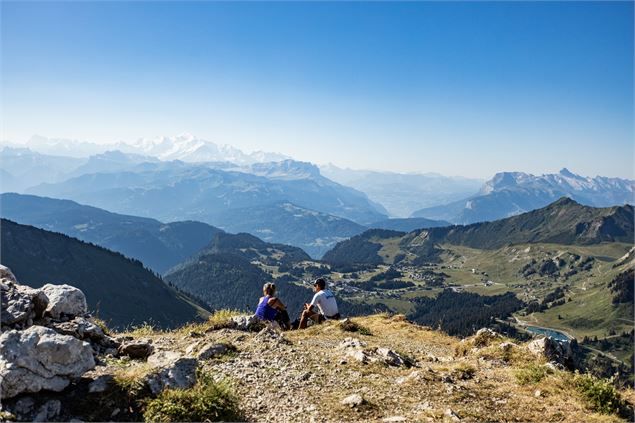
456	88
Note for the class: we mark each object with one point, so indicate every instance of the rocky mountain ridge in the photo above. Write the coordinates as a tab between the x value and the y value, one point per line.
204	193
404	193
562	222
375	368
512	193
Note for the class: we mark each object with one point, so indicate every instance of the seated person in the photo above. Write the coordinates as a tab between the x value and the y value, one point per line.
271	308
325	302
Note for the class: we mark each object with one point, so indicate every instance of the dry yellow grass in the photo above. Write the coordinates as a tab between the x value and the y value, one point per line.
476	380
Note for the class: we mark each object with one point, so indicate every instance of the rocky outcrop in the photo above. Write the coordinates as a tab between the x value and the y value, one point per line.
137	349
64	300
354	349
558	352
49	342
39	358
212	350
21	305
173	371
246	322
84	329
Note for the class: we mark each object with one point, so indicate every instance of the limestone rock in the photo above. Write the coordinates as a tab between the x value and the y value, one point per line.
246	322
354	400
64	300
451	414
414	376
20	304
6	275
353	348
136	349
39	358
358	355
48	411
179	374
163	358
351	343
101	384
23	408
268	334
212	350
84	329
390	357
556	351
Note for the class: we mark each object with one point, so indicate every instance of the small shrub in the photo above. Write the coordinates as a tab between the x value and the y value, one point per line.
130	378
409	361
531	374
349	325
221	319
484	338
144	329
600	394
101	324
206	401
464	371
462	348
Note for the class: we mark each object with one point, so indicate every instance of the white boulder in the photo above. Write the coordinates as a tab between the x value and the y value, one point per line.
64	300
39	358
556	351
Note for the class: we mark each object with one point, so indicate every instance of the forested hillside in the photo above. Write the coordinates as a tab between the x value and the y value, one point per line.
118	290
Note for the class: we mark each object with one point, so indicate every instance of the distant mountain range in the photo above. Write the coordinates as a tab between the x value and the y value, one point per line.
186	147
403	193
512	193
283	201
162	245
287	223
562	222
158	245
120	290
205	193
21	168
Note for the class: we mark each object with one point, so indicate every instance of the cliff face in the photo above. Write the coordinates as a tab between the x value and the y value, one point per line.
231	367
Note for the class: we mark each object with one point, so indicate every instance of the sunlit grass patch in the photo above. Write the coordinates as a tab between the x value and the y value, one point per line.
599	394
208	400
532	374
143	329
349	325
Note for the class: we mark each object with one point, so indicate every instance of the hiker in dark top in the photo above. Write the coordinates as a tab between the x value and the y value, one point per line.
271	309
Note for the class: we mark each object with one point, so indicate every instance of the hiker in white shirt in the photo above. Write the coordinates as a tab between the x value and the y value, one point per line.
324	301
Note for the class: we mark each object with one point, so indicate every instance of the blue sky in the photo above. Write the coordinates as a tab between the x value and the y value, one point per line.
456	88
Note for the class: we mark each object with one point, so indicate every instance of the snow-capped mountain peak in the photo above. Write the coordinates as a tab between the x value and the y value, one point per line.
185	147
188	148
